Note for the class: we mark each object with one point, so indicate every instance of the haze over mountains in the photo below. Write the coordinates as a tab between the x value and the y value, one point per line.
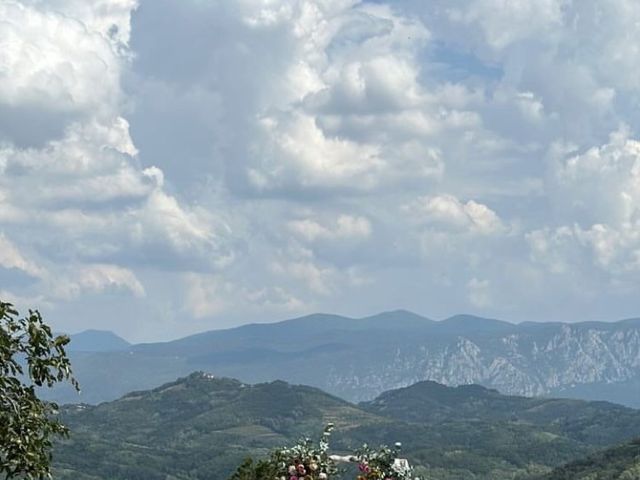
357	359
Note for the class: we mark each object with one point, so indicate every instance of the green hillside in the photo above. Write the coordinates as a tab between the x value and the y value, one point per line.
201	427
594	423
195	427
617	463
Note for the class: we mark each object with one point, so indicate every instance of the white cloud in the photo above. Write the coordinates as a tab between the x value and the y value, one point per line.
601	184
110	18
613	251
209	295
479	295
449	213
597	193
53	61
89	184
350	112
78	199
10	257
506	22
94	278
319	279
294	155
346	227
300	148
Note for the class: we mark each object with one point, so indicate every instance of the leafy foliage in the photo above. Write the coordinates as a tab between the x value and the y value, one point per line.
305	460
308	461
251	470
382	464
27	424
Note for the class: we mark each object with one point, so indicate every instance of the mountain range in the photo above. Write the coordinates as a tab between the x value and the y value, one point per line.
357	359
201	427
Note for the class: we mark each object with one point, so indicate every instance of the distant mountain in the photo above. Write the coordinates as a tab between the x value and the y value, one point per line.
201	427
97	341
618	463
358	359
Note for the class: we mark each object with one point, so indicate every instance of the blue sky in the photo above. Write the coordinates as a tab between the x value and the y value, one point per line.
168	167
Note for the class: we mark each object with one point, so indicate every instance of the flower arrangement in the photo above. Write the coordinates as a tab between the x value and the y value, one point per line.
382	464
305	460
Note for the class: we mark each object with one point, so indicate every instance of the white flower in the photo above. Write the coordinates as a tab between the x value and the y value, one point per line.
322	476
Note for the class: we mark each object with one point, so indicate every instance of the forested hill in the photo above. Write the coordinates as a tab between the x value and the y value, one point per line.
617	463
597	423
201	427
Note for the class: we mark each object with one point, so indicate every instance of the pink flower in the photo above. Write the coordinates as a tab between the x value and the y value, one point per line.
362	467
301	469
293	477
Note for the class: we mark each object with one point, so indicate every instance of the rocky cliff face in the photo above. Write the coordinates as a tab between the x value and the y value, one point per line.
530	360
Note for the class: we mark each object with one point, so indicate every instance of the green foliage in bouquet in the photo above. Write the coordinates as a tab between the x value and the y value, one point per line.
306	460
382	464
250	470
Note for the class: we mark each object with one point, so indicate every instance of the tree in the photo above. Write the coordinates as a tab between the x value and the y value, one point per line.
30	357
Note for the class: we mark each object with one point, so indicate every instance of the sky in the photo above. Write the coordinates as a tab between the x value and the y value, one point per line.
174	166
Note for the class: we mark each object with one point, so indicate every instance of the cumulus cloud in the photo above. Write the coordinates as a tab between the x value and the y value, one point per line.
50	59
601	184
77	198
299	264
449	213
111	208
95	279
505	23
300	149
346	227
207	159
597	192
353	77
10	257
